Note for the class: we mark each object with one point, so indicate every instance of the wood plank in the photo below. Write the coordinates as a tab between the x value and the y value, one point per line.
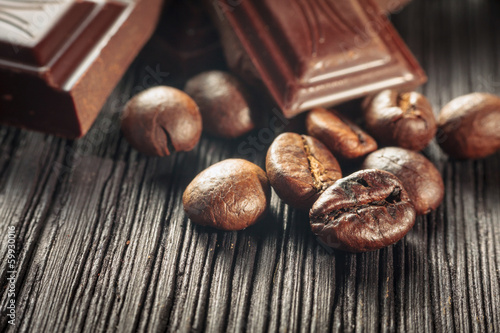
104	244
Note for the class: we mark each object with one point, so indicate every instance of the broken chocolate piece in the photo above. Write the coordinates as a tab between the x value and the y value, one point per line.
314	53
60	60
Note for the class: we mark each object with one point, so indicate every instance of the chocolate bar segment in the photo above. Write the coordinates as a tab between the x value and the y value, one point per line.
59	60
186	42
312	53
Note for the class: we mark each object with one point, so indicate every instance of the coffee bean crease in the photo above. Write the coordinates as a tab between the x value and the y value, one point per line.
363	212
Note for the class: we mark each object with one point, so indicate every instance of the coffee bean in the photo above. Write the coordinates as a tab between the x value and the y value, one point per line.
419	176
365	211
300	168
229	195
224	104
344	138
161	120
400	119
469	126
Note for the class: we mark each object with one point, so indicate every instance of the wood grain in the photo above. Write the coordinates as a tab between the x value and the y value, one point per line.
103	243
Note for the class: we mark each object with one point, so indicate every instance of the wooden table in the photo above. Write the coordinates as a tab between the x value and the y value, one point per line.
103	244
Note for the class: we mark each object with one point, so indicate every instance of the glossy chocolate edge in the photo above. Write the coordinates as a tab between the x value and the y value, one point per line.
66	100
291	97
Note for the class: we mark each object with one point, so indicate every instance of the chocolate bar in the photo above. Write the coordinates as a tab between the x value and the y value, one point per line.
310	53
60	59
188	39
185	43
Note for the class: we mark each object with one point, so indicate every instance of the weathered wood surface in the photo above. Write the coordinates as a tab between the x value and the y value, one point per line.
103	243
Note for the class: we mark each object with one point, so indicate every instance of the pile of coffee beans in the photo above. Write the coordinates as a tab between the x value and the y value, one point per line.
367	210
163	119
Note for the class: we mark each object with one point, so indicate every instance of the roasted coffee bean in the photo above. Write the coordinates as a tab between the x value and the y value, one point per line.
419	176
300	168
224	104
161	120
365	211
344	138
400	119
469	126
229	195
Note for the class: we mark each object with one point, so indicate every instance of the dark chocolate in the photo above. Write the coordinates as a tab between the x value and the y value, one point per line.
186	41
59	60
310	53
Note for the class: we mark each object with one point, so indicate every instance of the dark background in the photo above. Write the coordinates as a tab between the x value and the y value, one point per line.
103	243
